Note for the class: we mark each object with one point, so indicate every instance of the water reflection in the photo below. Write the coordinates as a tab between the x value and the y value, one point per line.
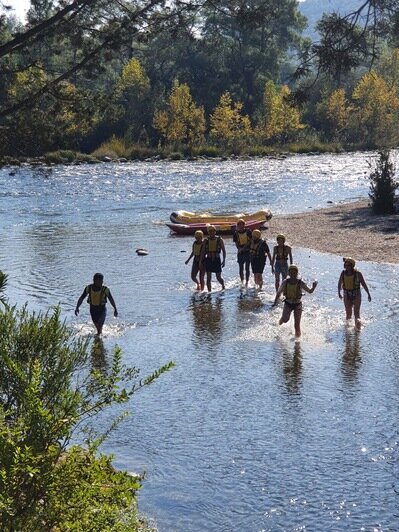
99	355
351	357
207	319
292	369
250	301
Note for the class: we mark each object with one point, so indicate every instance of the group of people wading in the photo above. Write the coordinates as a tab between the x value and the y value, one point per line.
209	256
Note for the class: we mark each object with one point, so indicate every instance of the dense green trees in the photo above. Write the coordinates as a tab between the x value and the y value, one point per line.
383	184
77	74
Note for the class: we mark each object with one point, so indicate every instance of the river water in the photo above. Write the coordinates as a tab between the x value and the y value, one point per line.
251	431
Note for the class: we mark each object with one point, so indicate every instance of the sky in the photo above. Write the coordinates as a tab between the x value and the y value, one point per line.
20	6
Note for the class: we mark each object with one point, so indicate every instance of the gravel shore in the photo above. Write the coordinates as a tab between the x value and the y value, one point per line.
348	229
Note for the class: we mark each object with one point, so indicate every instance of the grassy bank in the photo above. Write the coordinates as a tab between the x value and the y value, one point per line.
117	150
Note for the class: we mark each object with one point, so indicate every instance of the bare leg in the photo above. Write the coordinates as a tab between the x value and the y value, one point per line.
241	270
259	280
356	310
209	281
194	278
194	272
220	279
348	307
285	315
247	273
202	278
297	321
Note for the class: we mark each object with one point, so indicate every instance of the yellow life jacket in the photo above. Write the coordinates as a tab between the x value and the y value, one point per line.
292	291
281	254
350	282
97	298
197	246
254	248
242	238
213	245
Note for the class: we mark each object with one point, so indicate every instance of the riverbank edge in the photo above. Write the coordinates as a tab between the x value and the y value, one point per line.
146	154
344	229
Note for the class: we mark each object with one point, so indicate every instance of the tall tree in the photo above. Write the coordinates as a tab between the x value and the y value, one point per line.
131	100
334	111
182	122
229	126
92	31
376	112
349	38
280	117
251	39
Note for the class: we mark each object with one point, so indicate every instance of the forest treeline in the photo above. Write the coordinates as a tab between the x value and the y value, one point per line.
222	76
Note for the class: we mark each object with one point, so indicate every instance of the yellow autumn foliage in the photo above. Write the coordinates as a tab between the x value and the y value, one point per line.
228	124
182	122
280	117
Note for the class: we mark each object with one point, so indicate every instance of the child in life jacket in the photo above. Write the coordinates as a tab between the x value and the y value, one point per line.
242	239
350	282
196	267
281	254
97	295
258	251
292	288
210	257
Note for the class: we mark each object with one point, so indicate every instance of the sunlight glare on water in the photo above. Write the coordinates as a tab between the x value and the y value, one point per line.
251	430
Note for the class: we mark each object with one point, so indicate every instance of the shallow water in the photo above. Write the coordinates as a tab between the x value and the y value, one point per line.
251	430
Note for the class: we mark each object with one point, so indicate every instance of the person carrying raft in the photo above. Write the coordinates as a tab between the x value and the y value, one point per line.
350	282
210	257
258	251
292	288
281	254
196	268
242	239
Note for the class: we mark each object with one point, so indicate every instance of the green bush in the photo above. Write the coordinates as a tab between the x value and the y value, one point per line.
113	148
176	156
141	152
383	184
207	151
313	147
49	395
60	157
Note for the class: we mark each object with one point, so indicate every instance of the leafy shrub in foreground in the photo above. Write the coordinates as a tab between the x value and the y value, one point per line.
49	394
383	185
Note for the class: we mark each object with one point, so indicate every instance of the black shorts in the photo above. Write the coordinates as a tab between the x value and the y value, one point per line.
243	258
213	265
258	265
98	314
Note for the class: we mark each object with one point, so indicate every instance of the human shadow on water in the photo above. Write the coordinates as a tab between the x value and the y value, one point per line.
351	356
207	319
291	365
250	301
99	355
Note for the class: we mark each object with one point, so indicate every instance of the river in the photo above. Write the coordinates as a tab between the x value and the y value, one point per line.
250	431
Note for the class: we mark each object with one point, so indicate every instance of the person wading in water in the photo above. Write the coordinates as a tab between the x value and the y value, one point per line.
210	256
350	282
97	295
292	288
281	254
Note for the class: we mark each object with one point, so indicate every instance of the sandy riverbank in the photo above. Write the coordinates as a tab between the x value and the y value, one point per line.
348	229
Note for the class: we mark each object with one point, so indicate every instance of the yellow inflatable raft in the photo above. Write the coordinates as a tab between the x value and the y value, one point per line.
186	217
